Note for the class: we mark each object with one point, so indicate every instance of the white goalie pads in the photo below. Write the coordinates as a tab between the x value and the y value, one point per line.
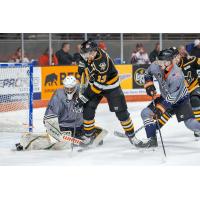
35	141
42	142
53	139
53	129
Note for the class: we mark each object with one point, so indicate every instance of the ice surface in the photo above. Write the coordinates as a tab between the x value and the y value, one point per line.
180	144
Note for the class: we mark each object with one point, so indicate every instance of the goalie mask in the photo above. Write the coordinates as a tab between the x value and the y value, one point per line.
70	86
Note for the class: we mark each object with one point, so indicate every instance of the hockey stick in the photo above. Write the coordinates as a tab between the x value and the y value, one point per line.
122	135
64	137
74	131
76	112
159	127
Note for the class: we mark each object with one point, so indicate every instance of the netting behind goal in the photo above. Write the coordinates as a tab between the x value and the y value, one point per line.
16	97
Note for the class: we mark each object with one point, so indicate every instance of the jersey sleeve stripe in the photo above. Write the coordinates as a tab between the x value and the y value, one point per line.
95	90
113	80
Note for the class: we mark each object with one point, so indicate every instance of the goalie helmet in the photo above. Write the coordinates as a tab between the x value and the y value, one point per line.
87	47
70	86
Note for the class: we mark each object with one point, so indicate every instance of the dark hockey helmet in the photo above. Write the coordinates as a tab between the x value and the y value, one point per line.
168	54
175	50
88	46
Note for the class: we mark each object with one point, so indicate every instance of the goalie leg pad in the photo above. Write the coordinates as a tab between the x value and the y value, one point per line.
53	129
35	141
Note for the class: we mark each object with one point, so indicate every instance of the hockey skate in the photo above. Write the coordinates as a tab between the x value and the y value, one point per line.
197	135
95	139
152	142
135	141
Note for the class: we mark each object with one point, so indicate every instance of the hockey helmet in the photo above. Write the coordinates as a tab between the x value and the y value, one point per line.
168	54
87	47
70	86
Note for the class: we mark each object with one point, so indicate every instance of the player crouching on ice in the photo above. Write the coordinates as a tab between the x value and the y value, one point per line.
103	82
61	120
174	98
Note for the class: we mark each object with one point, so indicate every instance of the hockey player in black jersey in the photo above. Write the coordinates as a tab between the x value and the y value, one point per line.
103	82
190	65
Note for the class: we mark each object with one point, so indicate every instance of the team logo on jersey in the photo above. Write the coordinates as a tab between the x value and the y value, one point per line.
139	76
102	66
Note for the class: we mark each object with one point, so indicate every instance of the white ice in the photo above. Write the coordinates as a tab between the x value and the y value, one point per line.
180	144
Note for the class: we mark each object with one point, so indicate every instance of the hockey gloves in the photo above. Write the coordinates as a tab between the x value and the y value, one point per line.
80	102
150	88
158	112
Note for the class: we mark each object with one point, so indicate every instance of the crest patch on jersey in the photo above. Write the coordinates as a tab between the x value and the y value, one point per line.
102	66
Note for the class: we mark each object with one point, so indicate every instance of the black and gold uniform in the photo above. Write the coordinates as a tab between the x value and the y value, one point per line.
103	82
189	66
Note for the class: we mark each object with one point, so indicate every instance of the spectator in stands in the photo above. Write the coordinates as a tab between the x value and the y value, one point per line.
17	57
140	56
182	51
102	45
77	56
44	58
134	52
196	50
154	54
64	58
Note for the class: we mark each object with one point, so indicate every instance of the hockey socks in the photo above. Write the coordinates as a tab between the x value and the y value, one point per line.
128	127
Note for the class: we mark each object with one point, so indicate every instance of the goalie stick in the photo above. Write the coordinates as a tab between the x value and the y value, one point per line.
63	136
76	112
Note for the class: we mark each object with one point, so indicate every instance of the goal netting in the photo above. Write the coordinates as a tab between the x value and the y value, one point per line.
16	97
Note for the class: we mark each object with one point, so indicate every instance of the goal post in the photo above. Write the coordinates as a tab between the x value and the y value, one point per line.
16	97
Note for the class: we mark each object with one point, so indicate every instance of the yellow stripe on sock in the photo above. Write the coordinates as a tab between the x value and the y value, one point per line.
124	123
89	128
163	123
129	129
165	116
196	112
89	121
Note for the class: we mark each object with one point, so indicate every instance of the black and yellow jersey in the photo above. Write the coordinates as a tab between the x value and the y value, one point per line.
101	72
189	66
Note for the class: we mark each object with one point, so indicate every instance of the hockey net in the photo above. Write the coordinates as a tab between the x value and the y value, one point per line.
16	96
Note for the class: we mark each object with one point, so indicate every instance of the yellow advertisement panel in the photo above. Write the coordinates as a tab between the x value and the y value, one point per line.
125	75
53	76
